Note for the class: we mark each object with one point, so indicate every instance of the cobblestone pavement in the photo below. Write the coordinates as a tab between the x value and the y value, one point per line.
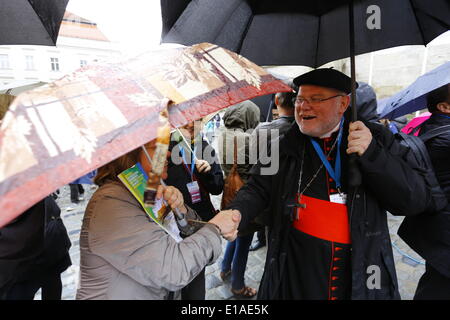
408	263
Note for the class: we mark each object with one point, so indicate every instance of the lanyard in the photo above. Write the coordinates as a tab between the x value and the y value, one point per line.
191	171
336	172
443	115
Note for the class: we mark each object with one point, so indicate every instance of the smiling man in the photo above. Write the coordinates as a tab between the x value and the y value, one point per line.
328	240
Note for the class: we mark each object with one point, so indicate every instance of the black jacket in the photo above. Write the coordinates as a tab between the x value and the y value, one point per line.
439	150
210	182
429	235
389	183
35	243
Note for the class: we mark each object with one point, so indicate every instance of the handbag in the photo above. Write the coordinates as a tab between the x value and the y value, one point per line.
233	182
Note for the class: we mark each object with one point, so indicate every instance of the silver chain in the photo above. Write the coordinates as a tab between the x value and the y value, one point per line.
317	172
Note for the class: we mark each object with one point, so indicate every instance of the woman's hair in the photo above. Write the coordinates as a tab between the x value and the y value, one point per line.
110	170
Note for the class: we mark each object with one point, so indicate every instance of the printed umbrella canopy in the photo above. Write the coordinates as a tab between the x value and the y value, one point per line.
61	131
31	22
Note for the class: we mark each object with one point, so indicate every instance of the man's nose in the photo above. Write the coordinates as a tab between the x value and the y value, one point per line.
304	107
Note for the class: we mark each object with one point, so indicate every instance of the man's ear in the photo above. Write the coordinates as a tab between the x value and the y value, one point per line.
443	107
276	100
345	103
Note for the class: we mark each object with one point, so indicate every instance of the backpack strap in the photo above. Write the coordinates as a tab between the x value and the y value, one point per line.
417	146
422	156
434	133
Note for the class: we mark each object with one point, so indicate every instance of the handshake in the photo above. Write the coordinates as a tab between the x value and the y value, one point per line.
227	221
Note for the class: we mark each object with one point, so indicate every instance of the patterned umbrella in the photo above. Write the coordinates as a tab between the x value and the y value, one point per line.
61	131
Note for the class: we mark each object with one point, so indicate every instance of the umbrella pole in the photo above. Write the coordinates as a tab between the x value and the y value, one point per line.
188	145
355	177
180	216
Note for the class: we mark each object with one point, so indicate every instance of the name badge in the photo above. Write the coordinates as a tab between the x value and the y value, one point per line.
338	198
194	191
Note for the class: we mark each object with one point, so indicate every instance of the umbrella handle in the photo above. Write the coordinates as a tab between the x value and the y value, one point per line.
354	173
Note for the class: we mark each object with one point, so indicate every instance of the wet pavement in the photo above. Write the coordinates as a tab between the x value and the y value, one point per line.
408	264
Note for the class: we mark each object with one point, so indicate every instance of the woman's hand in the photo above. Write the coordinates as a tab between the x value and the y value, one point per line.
202	166
173	196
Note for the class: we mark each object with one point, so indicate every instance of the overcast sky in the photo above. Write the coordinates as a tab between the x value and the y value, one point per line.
134	24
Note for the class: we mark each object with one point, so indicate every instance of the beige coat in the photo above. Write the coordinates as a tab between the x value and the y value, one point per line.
124	255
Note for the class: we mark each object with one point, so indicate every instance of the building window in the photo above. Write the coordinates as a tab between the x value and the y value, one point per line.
83	63
29	63
54	62
4	61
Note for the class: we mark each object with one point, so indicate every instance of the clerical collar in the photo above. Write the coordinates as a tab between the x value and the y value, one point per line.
328	134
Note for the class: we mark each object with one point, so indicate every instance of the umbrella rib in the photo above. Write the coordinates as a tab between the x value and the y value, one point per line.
417	21
317	43
42	22
244	34
245	31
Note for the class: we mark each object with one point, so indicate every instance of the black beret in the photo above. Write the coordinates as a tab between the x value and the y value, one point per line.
329	78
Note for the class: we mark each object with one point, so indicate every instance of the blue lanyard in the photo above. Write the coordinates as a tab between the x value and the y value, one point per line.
192	161
336	172
443	115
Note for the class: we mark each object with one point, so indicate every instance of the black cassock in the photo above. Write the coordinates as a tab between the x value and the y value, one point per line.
318	262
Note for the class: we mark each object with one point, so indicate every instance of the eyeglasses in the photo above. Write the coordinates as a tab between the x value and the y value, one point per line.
313	101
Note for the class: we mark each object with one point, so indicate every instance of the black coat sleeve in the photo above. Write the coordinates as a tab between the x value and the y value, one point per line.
252	199
398	186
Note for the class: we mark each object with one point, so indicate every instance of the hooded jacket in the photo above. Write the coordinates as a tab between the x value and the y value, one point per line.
239	121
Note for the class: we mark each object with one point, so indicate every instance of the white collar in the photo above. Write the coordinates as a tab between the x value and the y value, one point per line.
329	133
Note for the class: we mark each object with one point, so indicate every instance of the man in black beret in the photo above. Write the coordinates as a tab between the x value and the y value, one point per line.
328	239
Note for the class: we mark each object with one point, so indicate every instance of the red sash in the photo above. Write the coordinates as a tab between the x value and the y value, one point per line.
323	219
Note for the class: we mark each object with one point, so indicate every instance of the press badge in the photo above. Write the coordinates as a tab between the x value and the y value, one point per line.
194	191
338	198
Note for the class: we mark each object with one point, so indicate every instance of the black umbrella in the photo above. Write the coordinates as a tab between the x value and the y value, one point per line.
309	33
30	22
296	32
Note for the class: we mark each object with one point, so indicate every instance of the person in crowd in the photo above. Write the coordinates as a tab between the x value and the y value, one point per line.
126	255
366	102
77	189
196	178
285	106
400	122
76	192
238	120
328	237
34	251
217	120
390	125
430	234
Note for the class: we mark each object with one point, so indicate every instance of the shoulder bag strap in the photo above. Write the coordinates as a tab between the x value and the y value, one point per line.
235	151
